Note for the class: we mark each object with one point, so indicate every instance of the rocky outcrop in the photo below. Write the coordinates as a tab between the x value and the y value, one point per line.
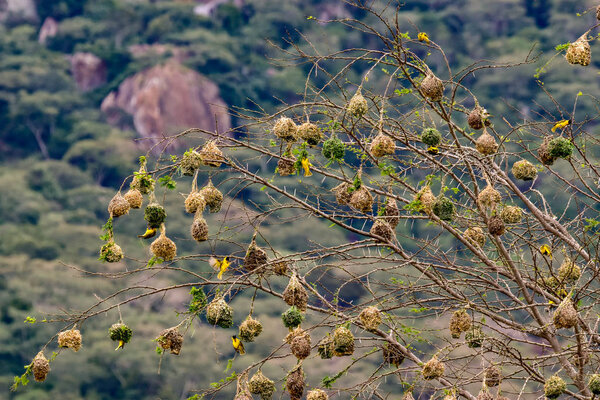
88	71
48	30
18	10
166	99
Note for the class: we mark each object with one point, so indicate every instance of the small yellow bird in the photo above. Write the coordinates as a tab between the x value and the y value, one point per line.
238	345
121	345
561	124
150	232
220	266
422	36
546	250
433	150
306	166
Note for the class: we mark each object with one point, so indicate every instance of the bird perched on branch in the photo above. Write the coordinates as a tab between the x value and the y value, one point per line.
546	251
238	345
150	232
219	265
561	124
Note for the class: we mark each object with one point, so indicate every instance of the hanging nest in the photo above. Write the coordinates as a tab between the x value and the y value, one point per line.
163	247
121	333
493	376
392	354
325	348
443	208
199	228
594	381
478	118
460	322
250	329
170	339
300	345
295	382
343	342
357	106
213	197
431	137
255	256
554	387
292	317
280	268
579	52
155	214
511	214
342	193
190	162
195	201
111	252
474	337
433	369
524	170
544	152
317	394
40	367
361	200
219	313
295	294
310	133
142	181
70	339
261	385
370	318
426	199
560	147
496	226
475	236
383	229
391	212
569	271
211	155
286	129
432	87
485	394
286	166
118	206
333	148
565	316
134	197
486	144
489	197
382	145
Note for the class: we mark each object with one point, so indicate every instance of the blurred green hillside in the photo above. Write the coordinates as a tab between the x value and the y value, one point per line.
61	161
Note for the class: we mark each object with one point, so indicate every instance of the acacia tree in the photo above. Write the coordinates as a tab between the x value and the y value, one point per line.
449	221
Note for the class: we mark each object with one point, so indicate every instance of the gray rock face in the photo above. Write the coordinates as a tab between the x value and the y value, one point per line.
88	71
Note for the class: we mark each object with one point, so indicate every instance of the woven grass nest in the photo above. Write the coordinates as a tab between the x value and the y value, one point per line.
343	342
118	206
199	228
554	387
460	322
431	137
310	133
261	385
493	376
295	294
219	313
357	106
170	339
484	394
212	196
432	87
286	129
295	382
40	367
565	316
475	236
594	380
443	208
194	201
489	197
477	118
120	332
579	52
301	345
163	247
250	329
325	348
317	394
111	252
286	166
370	318
496	226
333	148
211	155
292	317
70	339
560	147
569	271
486	144
381	228
134	197
361	200
511	214
427	199
392	354
544	152
433	369
524	170
342	193
474	337
382	145
391	212
155	215
256	257
190	162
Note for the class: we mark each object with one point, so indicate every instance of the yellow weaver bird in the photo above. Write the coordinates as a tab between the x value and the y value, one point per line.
121	345
561	124
306	166
422	36
546	250
220	266
238	345
433	150
150	232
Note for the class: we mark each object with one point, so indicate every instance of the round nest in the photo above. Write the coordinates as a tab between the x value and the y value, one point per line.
211	155
70	339
391	212
431	137
361	200
118	206
524	170
199	229
426	199
560	147
194	201
213	197
474	337
485	394
489	197
579	52
569	271
493	376
164	248
433	369
594	381
155	214
432	87
486	144
382	145
325	348
111	252
310	133
190	162
219	313
554	387
383	229
142	181
333	148
170	339
496	226
40	367
280	268
301	345
565	316
255	257
342	193
460	322
120	332
295	383
295	294
317	394
261	385
134	197
370	318
343	342
286	166
250	329
357	106
392	355
477	118
544	153
475	236
511	214
286	129
292	317
443	208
